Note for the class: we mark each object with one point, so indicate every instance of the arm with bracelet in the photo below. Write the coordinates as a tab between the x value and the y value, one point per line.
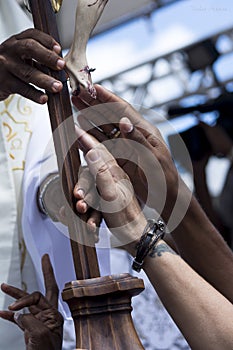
203	315
142	147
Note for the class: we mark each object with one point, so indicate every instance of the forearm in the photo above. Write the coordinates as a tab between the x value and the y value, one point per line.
203	195
191	301
200	244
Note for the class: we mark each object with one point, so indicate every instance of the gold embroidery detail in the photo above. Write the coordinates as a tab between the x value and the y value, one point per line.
10	135
16	144
25	110
20	168
26	128
15	140
8	101
56	4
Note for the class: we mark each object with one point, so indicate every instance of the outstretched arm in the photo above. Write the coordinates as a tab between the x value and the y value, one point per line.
203	315
142	147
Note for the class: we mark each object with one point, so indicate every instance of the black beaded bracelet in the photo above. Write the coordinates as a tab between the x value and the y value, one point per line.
153	232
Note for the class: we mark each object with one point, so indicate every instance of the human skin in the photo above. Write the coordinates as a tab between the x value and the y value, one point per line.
21	60
203	315
195	237
43	324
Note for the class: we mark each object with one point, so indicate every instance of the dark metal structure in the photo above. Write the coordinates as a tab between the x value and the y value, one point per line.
191	68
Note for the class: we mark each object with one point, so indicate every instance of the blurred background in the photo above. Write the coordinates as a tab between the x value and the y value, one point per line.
173	59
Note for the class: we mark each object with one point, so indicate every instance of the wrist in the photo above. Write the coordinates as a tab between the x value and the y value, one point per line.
131	246
159	259
152	234
47	183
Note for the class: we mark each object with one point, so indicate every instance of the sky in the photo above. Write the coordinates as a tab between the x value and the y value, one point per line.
169	28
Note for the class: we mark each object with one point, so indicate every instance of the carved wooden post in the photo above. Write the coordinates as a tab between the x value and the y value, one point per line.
101	309
100	306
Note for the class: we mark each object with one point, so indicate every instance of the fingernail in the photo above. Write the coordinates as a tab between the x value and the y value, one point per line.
92	226
57	48
57	86
128	126
3	285
84	206
80	192
93	155
11	306
43	99
60	64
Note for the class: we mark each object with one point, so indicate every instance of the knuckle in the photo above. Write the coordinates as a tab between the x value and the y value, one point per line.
110	196
27	74
49	40
153	140
3	61
28	45
51	57
31	32
36	297
102	169
27	32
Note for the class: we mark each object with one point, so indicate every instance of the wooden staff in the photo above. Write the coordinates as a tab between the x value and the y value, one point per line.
100	306
85	259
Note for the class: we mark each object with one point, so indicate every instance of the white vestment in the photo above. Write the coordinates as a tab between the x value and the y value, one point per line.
14	135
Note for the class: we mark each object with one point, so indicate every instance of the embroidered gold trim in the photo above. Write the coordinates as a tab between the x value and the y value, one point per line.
12	135
56	4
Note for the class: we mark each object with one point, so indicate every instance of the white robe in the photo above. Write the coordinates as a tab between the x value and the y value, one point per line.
16	265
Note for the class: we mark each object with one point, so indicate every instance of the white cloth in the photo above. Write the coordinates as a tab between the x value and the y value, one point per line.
12	19
16	265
